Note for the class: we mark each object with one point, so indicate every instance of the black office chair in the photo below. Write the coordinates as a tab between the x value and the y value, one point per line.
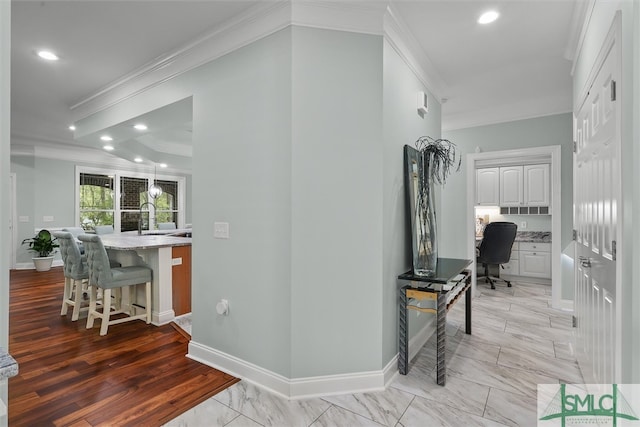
495	248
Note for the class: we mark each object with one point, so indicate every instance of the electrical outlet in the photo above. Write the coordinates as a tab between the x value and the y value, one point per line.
523	225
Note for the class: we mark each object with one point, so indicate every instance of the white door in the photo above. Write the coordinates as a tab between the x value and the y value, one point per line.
595	198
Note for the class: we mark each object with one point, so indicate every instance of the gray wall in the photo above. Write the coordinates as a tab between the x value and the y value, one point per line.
336	202
402	126
298	146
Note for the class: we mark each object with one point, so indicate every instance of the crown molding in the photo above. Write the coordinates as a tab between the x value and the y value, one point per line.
258	22
378	18
405	44
82	155
582	13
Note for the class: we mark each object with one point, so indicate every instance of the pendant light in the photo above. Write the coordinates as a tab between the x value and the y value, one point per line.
155	191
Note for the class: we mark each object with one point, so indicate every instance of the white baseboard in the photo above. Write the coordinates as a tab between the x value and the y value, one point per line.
566	305
29	265
304	388
162	318
297	388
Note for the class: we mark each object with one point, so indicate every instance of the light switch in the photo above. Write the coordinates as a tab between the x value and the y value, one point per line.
523	225
221	230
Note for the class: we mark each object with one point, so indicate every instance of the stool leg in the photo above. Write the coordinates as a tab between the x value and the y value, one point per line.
76	287
106	311
147	293
93	295
65	296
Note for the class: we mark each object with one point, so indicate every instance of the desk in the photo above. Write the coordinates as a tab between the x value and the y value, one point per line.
435	289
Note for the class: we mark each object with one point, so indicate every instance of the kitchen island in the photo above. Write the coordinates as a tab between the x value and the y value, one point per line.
154	249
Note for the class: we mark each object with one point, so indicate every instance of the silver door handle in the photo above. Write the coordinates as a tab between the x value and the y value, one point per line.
585	262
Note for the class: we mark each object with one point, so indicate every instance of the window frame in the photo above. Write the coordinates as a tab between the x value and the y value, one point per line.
117	174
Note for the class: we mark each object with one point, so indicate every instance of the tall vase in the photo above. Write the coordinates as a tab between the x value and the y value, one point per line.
425	242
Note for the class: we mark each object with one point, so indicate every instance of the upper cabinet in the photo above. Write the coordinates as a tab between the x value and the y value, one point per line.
515	188
536	185
488	186
511	192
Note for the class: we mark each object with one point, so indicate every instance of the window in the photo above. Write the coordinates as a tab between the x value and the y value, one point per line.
96	200
102	202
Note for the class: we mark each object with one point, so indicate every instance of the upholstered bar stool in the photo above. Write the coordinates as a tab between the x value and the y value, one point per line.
103	276
76	273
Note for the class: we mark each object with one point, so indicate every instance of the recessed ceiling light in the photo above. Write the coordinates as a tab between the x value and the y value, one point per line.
163	165
106	138
72	127
108	147
488	17
137	160
48	55
140	126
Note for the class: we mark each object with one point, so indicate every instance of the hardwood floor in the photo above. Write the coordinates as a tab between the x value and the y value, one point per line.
136	375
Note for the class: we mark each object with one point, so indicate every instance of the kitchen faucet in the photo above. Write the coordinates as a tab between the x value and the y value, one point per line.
140	217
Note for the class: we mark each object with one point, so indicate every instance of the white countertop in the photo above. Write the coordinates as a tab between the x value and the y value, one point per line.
131	240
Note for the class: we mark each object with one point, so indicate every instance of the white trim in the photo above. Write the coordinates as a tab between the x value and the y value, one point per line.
298	388
258	22
556	208
84	155
586	17
30	266
566	305
261	21
13	218
405	44
148	174
308	387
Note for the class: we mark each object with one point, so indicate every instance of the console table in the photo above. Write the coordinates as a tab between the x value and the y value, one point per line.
450	281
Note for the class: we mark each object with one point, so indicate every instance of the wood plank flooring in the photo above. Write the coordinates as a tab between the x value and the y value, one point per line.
136	375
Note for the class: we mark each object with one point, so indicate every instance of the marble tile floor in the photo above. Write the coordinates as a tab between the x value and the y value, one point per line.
518	341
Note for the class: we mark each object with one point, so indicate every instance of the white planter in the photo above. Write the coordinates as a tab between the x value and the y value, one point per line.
43	263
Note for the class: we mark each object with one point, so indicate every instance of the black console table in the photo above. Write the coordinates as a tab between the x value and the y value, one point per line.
444	289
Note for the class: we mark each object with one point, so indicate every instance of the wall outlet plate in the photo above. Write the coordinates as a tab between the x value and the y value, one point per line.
221	230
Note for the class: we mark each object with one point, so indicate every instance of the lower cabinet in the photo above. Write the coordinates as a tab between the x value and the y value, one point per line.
529	260
181	273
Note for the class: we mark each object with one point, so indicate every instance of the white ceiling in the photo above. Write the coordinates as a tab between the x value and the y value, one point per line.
514	68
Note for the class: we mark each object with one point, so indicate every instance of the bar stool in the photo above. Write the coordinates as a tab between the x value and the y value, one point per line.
76	274
103	276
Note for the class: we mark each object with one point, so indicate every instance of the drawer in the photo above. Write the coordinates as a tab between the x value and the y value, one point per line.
535	247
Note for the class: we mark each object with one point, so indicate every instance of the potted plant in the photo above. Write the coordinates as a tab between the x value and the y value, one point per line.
44	246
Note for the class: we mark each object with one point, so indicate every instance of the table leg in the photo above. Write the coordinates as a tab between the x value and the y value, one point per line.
467	308
441	346
403	334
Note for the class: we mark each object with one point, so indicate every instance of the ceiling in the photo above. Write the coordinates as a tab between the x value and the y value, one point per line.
511	69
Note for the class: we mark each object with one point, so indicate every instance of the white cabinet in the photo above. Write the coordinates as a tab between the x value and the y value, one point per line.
535	259
487	186
526	185
536	185
511	190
